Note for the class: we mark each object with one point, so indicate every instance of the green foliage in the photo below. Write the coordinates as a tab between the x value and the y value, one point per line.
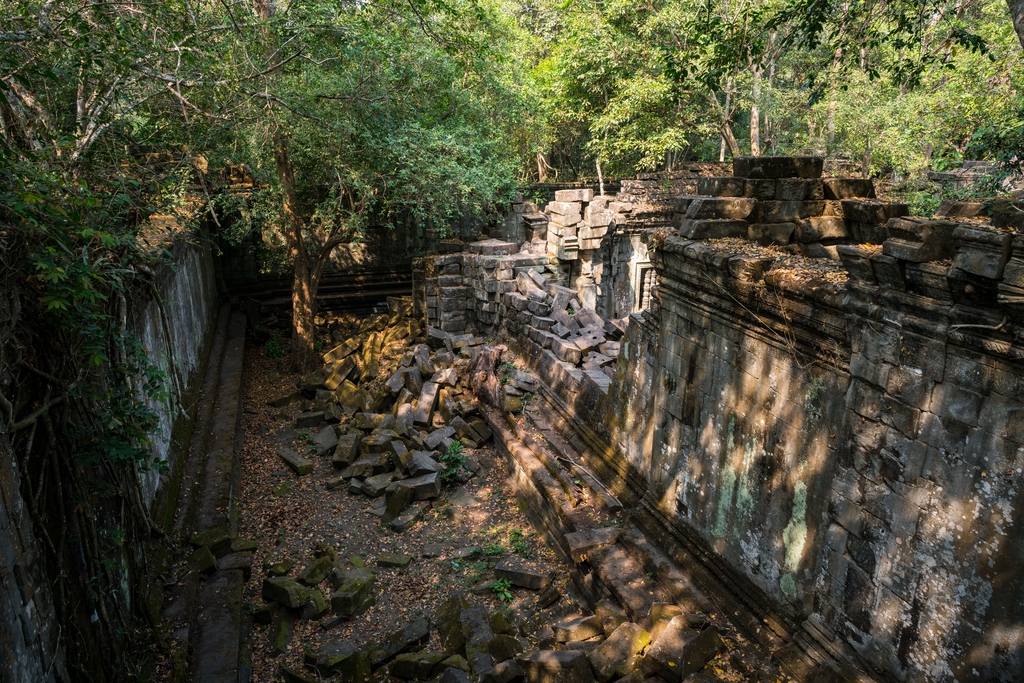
517	541
494	550
273	348
454	462
502	589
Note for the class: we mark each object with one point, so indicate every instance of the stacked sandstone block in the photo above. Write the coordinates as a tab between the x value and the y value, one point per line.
577	222
784	200
493	268
447	296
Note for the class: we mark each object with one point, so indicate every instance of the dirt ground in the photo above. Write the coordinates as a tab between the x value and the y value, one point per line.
290	516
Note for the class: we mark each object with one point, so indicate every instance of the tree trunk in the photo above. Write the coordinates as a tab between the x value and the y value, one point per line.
755	115
542	168
1017	14
730	139
303	284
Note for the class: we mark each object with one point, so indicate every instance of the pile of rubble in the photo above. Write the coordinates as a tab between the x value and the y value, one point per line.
393	413
466	641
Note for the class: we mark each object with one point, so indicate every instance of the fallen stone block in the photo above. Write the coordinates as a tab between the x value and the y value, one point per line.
556	666
421	463
680	651
398	498
284	591
619	655
522	573
325	441
394	560
355	595
374	486
582	542
416	665
425	487
309	420
425	406
317	570
453	675
296	462
505	671
282	628
579	628
436	437
414	634
331	658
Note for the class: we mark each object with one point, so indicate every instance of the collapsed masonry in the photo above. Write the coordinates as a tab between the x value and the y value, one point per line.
833	447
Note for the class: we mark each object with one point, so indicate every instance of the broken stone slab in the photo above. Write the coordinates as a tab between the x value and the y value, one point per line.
421	464
522	573
680	651
424	487
579	628
735	208
414	634
818	228
556	666
438	436
477	634
339	373
309	420
505	671
316	571
454	675
286	400
398	560
425	406
296	462
398	498
314	608
619	655
416	665
610	614
282	628
448	377
984	253
375	486
409	517
661	614
284	591
325	441
331	658
582	542
346	450
578	195
355	594
919	240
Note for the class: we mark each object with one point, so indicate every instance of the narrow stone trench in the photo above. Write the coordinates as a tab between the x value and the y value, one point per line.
427	605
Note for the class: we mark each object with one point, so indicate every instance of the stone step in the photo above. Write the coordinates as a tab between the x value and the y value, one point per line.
626	580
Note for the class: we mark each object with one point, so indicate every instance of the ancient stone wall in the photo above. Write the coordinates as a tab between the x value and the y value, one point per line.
840	442
174	332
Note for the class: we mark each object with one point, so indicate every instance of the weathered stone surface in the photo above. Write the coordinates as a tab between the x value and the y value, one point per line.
398	498
355	595
453	675
332	657
309	420
777	167
412	635
581	542
522	574
920	241
848	188
798	189
579	628
425	487
346	450
556	666
425	406
787	212
376	485
325	441
618	655
721	186
700	229
282	628
580	195
982	252
317	571
436	437
416	665
393	560
733	208
771	233
505	671
680	651
817	228
296	462
421	463
285	591
477	635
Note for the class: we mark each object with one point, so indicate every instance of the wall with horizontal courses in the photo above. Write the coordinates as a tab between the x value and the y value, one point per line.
876	493
844	458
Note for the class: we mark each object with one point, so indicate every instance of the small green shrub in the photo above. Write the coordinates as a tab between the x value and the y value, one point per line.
503	589
494	549
273	348
454	462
